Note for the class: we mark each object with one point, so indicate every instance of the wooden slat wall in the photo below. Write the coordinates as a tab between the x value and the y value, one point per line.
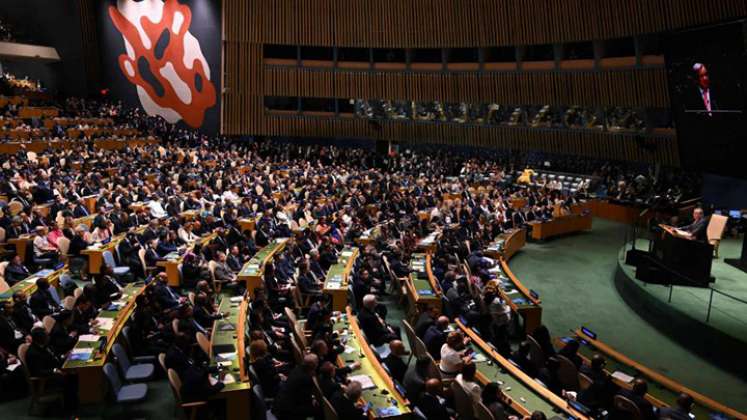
578	142
249	24
471	23
90	41
634	88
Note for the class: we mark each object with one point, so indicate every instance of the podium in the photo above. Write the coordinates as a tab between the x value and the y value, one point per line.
675	259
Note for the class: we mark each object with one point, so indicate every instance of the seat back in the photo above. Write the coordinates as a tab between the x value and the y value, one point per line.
536	355
258	405
297	351
211	269
716	227
584	382
329	411
48	323
482	412
462	402
22	350
176	384
410	334
109	259
625	405
2	235
567	374
113	377
203	342
162	361
122	358
141	256
63	244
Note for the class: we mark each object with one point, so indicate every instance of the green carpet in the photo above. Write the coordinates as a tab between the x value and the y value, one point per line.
574	276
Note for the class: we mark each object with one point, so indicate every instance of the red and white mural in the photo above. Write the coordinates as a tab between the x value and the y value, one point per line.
163	60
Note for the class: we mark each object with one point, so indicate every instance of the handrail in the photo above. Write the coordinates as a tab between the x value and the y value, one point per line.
657	377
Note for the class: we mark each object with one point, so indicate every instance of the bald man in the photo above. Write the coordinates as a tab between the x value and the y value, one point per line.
296	402
395	361
432	404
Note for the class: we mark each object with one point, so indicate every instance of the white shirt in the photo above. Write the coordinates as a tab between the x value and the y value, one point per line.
450	360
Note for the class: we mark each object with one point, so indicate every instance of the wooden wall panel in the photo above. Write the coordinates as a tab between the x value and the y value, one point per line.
250	24
589	143
635	87
470	23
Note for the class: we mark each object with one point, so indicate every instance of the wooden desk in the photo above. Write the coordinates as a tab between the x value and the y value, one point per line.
43	209
22	244
92	384
422	286
172	261
535	396
337	280
429	243
228	339
28	285
350	333
662	391
251	273
247	224
519	298
96	253
507	244
85	220
90	202
560	226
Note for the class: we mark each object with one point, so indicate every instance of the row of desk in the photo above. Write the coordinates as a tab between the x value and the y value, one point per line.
662	391
89	356
337	281
385	399
251	273
423	289
171	262
561	225
39	146
227	352
525	394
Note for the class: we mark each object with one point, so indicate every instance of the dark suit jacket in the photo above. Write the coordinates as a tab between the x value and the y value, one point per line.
397	367
295	397
40	361
15	273
647	409
267	375
699	229
434	339
376	331
345	408
42	304
432	407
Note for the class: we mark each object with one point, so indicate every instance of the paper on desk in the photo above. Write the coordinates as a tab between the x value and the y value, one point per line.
622	376
229	379
349	349
105	324
89	338
365	381
227	356
236	299
13	367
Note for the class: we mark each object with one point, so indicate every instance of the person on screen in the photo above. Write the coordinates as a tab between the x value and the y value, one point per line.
706	100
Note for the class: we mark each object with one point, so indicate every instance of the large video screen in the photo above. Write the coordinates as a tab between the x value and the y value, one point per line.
706	68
